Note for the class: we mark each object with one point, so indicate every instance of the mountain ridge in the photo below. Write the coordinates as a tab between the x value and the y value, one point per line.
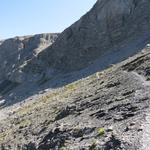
111	23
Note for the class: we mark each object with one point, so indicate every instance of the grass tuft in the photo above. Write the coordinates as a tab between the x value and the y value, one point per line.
101	131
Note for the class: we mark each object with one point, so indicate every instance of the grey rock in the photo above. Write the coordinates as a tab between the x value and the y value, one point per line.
110	27
16	52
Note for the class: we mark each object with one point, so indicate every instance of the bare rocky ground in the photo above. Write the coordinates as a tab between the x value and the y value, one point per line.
106	110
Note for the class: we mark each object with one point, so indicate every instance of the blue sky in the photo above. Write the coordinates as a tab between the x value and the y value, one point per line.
25	17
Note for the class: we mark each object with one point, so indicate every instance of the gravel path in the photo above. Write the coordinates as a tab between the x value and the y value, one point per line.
145	139
142	79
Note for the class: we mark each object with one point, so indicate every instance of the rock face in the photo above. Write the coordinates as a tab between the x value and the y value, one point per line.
15	53
110	32
110	26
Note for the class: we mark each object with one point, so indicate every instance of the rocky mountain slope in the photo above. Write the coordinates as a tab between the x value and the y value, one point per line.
107	110
15	53
62	92
118	27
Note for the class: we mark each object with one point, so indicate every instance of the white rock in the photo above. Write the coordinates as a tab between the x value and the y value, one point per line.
2	102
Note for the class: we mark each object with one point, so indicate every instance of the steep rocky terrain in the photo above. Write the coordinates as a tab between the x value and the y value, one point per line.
107	110
15	53
118	27
62	92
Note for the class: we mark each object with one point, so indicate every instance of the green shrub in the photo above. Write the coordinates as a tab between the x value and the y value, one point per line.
148	78
101	131
94	145
62	148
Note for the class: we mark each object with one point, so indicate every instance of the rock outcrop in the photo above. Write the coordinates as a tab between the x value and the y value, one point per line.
16	52
110	27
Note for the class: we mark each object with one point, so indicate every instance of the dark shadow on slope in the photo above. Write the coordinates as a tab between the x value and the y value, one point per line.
113	144
7	86
105	61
